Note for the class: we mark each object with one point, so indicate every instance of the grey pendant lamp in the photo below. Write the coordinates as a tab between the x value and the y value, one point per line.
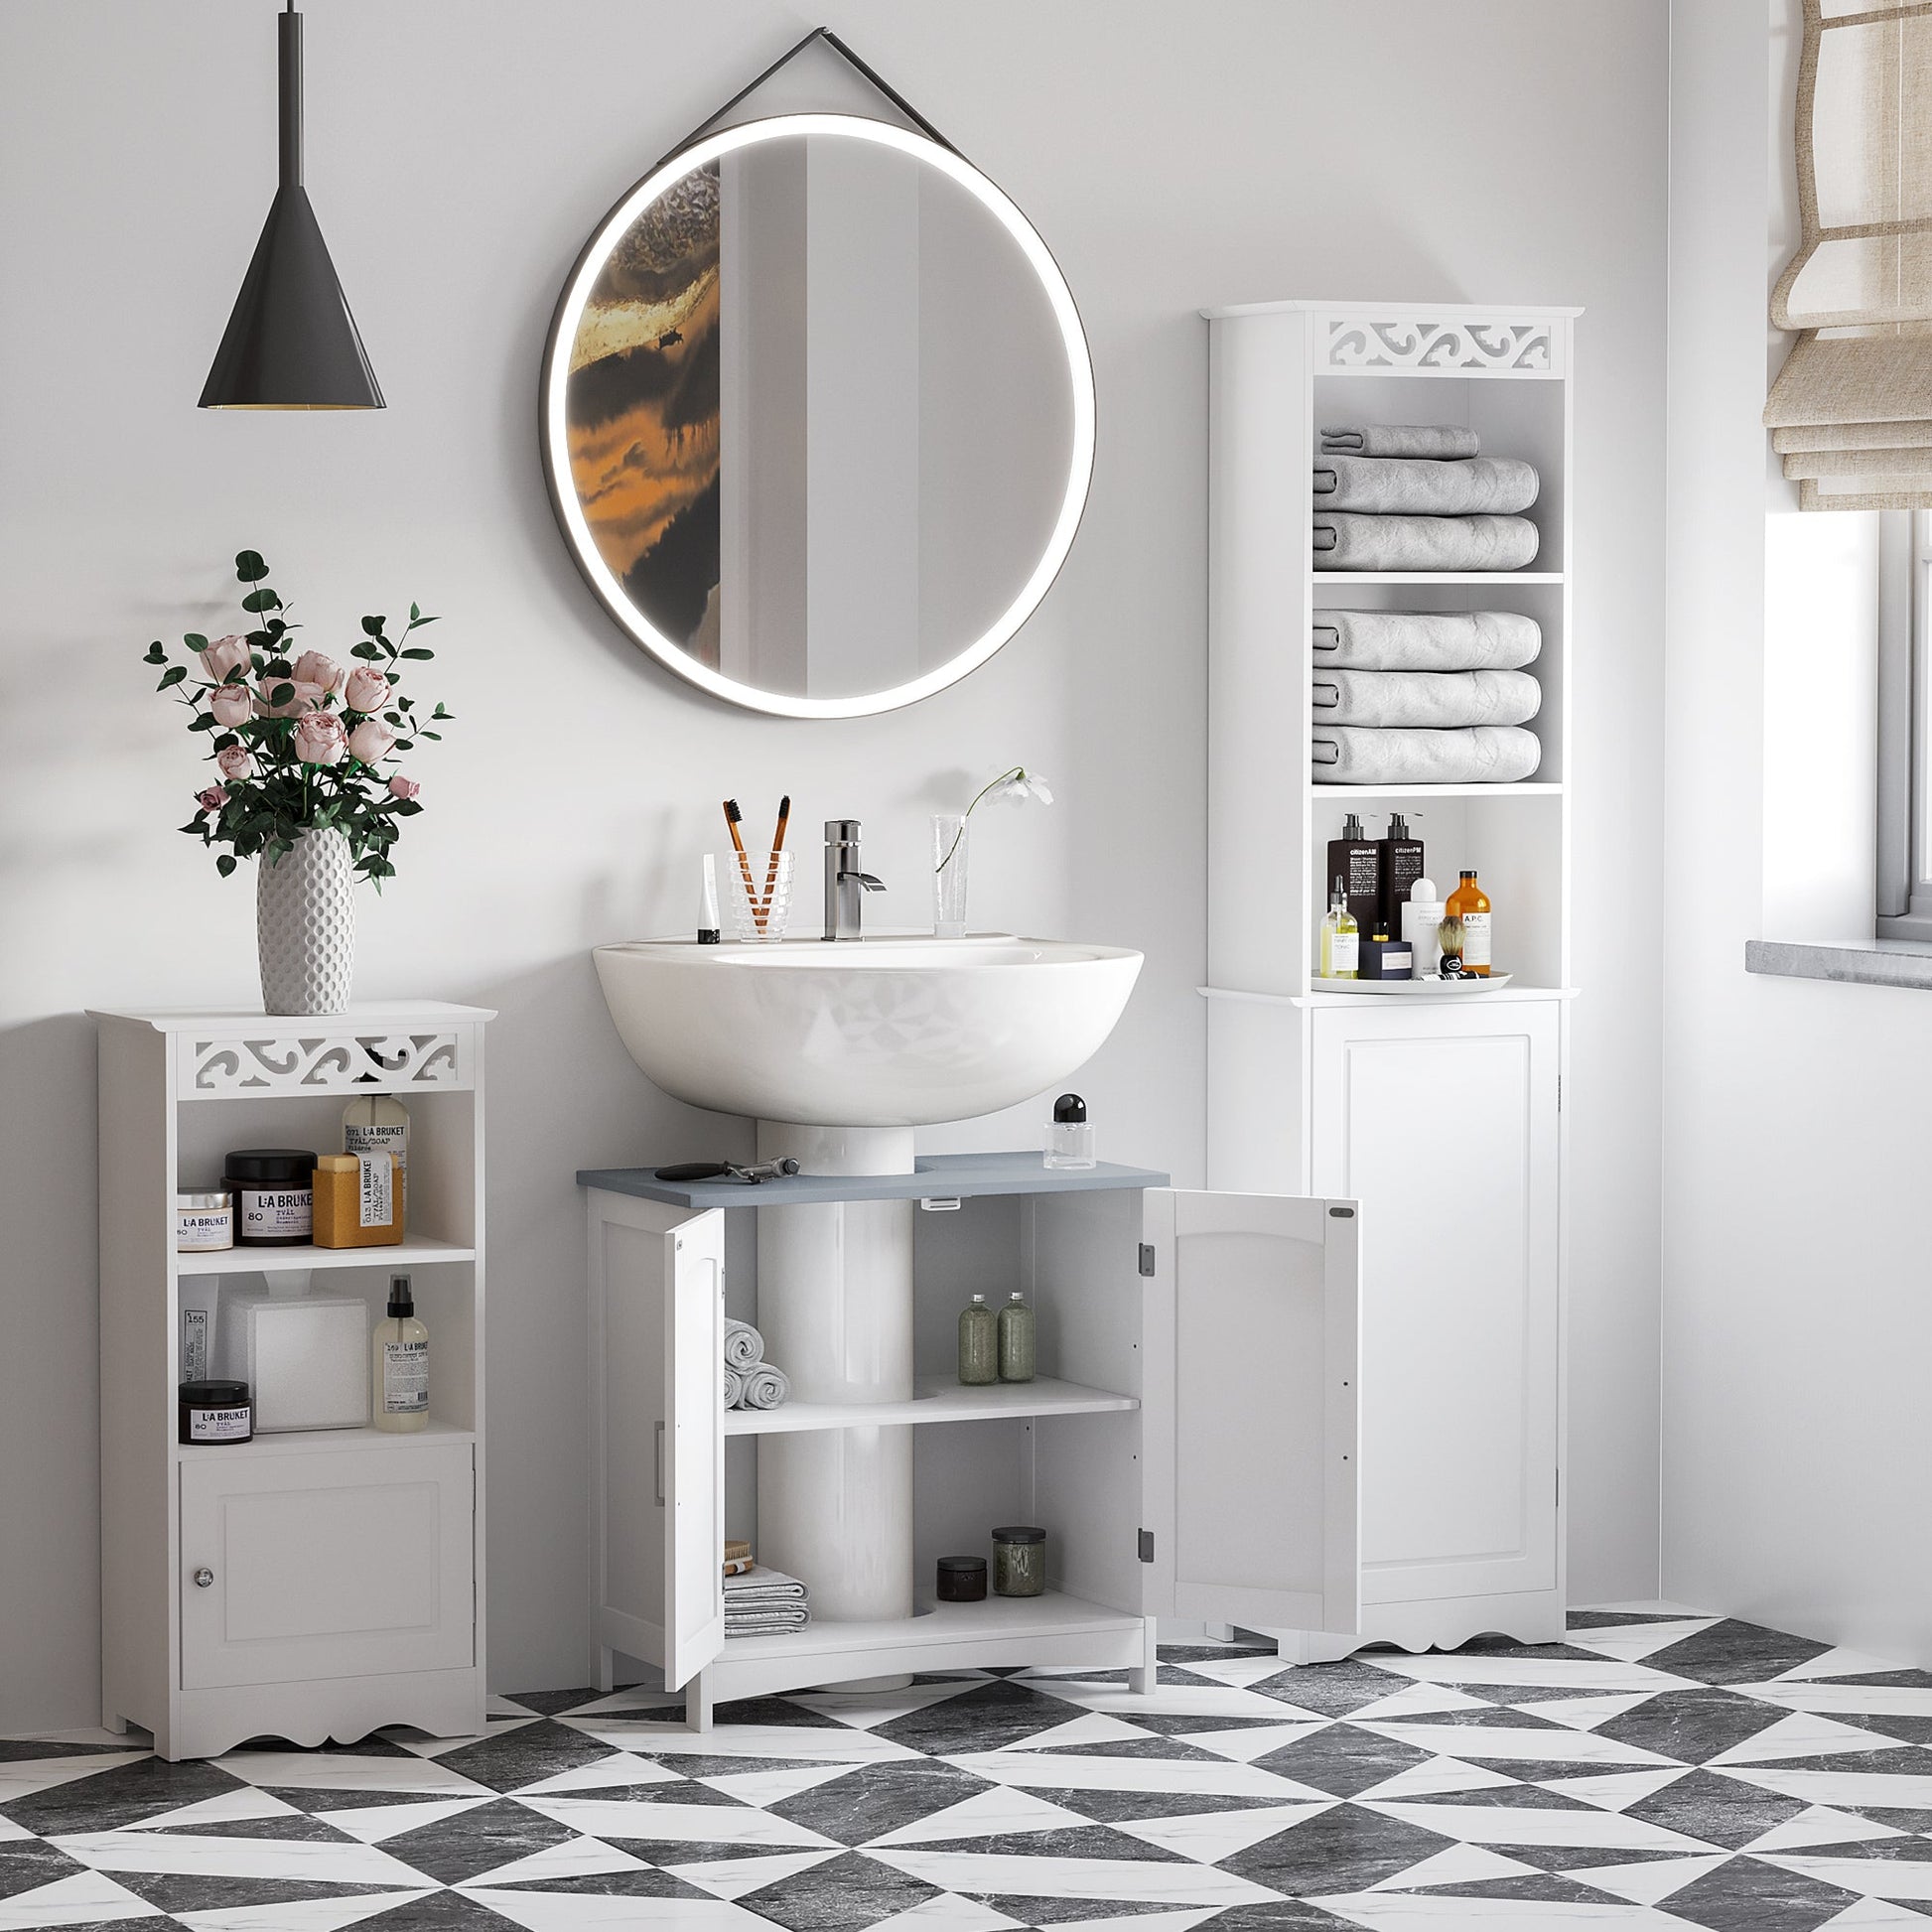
291	342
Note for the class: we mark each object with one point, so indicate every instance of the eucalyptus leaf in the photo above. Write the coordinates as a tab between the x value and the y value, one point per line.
174	674
374	625
281	694
226	864
417	651
261	599
364	650
204	723
195	640
248	566
156	656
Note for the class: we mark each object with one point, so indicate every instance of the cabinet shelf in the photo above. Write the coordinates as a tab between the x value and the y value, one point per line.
416	1249
1529	789
1344	577
997	1619
312	1441
938	1400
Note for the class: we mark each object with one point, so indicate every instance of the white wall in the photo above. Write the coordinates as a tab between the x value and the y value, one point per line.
459	153
1796	1324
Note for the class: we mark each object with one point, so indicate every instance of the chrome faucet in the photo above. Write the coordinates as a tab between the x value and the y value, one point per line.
845	884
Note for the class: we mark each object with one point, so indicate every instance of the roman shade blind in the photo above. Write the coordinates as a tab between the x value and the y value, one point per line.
1851	411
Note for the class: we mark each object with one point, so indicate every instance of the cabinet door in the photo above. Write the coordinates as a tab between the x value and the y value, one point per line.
1251	1356
1442	1121
341	1563
658	1356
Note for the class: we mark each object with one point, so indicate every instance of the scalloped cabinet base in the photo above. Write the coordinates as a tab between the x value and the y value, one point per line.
305	926
310	1585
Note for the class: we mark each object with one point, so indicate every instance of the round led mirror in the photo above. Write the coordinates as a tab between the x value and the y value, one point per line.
818	415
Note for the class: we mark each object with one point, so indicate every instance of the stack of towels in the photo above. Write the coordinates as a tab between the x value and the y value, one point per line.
1395	496
750	1382
760	1602
1425	697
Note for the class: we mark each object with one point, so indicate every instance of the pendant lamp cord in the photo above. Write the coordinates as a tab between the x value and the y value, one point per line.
289	67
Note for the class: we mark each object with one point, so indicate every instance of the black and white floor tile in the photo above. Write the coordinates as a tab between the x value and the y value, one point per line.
1656	1770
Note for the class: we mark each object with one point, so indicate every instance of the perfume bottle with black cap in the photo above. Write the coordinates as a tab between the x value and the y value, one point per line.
1069	1133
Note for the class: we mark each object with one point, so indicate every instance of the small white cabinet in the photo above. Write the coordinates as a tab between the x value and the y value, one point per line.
1191	1444
313	1584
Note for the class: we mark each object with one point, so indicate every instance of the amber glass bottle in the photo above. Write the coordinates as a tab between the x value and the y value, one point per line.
1469	903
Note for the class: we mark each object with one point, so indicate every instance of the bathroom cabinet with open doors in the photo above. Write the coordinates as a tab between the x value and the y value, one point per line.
1190	1444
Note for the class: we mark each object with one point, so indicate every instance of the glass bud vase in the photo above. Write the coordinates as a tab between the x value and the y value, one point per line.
948	876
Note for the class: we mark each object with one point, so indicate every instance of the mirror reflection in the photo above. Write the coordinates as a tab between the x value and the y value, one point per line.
820	417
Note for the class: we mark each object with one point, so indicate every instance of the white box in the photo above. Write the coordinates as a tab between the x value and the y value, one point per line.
305	1357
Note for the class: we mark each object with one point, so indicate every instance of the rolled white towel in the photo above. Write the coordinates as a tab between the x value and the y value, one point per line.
1424	640
733	1388
1350	754
766	1387
743	1345
1435	700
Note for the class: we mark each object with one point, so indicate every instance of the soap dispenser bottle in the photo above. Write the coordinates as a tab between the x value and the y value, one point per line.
1340	938
1357	862
1399	859
400	1368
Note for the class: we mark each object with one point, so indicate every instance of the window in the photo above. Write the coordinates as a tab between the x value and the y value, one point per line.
1905	726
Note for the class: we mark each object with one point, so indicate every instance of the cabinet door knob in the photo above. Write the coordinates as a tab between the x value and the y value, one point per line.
204	1577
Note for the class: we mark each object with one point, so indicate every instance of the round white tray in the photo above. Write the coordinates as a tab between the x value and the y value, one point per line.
1413	989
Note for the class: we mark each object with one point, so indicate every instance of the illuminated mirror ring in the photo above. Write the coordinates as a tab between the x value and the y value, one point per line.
596	256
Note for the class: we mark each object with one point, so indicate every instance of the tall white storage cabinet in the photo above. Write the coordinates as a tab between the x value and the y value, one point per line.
1189	1445
314	1583
1440	1113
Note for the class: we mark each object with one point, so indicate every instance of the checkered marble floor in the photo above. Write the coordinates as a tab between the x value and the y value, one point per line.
1657	1769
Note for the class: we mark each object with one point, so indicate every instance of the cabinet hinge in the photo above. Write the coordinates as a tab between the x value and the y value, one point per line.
1147	1545
1559	1488
1147	1268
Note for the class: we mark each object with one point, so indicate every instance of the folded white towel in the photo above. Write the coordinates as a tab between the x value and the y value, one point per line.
1344	540
1424	640
743	1345
765	1623
1436	440
1484	486
761	1586
766	1387
1438	700
734	1387
1494	755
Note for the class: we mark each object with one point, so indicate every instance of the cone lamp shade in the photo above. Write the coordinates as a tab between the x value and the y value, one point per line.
291	342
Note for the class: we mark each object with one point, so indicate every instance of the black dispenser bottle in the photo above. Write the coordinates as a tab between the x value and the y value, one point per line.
1358	864
1400	865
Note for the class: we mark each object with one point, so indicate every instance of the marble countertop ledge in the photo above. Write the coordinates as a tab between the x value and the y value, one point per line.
1852	962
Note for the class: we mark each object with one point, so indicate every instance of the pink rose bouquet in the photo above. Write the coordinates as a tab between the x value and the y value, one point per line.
299	742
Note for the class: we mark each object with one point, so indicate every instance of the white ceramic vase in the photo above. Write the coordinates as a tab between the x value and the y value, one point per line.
305	926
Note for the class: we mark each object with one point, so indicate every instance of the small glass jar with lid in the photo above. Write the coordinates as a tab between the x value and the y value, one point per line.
1019	1560
962	1579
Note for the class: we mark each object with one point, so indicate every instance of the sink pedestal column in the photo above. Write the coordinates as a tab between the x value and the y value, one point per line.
835	1307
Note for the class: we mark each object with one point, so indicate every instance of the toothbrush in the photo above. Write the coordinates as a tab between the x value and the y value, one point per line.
732	816
777	846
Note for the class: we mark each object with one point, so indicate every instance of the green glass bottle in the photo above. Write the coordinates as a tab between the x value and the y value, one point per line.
979	1345
1016	1340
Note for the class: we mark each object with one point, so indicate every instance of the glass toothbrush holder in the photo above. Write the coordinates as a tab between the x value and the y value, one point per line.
757	891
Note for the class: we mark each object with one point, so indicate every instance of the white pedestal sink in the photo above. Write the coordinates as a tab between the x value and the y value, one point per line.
839	1050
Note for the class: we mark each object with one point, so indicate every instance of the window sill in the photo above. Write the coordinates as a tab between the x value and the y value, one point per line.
1852	962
